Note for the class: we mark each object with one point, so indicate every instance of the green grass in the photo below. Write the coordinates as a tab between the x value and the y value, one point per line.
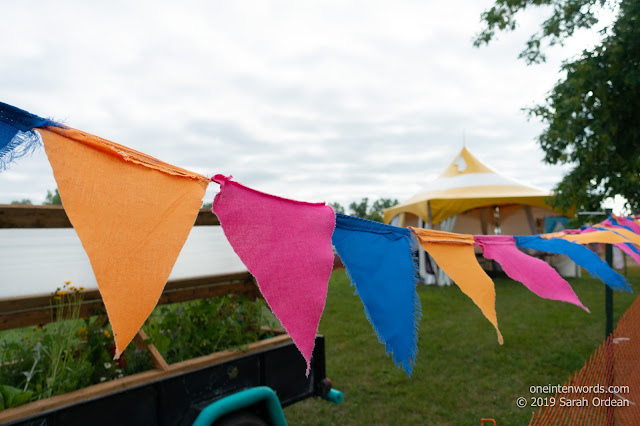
462	374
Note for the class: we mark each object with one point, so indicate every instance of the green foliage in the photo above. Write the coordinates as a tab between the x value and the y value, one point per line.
593	114
337	207
52	198
65	355
200	327
374	212
23	202
73	352
567	16
593	119
12	397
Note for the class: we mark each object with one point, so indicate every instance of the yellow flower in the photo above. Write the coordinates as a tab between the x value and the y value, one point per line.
81	288
57	297
67	282
107	334
62	292
71	288
82	333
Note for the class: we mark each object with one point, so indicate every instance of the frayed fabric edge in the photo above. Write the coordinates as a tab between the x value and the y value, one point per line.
407	365
21	145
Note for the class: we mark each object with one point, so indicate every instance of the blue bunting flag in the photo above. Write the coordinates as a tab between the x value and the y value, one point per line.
381	262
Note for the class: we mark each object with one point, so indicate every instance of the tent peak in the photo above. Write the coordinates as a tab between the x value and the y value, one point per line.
464	163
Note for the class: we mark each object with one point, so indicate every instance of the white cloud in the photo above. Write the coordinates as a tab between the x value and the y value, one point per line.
315	100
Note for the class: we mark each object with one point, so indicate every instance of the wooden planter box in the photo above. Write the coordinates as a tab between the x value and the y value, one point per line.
169	394
175	395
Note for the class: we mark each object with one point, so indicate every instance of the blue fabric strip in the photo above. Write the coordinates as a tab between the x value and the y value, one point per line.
17	137
381	261
581	255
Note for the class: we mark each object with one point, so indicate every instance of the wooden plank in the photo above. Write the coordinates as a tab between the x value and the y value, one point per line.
33	217
127	382
21	216
140	340
15	304
17	312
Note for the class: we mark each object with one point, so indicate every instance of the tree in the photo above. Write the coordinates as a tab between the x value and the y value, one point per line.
23	202
567	17
52	198
362	209
593	114
337	207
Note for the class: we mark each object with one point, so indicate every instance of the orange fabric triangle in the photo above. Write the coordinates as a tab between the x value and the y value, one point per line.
132	213
454	253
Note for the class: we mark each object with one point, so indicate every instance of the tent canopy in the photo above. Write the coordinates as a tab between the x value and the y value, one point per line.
467	184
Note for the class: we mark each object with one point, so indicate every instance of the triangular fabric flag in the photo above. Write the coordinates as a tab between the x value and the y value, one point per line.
132	213
381	262
537	275
614	223
631	250
17	139
625	222
581	255
631	236
454	253
588	236
286	245
630	223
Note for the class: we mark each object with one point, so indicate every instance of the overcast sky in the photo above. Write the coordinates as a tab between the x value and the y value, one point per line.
316	101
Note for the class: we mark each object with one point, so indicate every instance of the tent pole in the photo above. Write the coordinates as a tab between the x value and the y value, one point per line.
429	215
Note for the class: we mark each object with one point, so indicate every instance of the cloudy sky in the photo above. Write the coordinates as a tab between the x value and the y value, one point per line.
311	100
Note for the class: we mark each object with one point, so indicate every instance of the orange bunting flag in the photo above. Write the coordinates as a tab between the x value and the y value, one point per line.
604	236
454	253
132	213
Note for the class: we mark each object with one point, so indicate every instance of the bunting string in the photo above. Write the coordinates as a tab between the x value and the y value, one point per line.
133	213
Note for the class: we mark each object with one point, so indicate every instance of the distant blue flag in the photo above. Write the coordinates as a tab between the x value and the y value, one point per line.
381	263
17	137
580	255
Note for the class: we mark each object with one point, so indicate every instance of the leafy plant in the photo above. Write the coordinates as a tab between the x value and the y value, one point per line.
12	397
73	352
188	330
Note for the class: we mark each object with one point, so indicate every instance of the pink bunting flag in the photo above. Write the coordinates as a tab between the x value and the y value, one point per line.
535	274
286	245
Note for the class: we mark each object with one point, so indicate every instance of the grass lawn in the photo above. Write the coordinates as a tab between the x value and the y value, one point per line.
462	374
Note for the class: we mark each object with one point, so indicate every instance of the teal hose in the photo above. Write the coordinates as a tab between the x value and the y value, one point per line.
334	396
241	400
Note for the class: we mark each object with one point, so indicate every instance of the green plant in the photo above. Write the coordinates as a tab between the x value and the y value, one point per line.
12	397
73	352
188	330
60	342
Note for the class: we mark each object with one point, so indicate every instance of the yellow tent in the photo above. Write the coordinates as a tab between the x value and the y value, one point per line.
471	191
470	198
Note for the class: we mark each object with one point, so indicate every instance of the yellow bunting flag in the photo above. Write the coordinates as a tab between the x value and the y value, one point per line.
602	236
132	213
454	253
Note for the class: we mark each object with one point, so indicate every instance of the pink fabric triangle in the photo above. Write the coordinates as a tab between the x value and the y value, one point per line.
535	274
286	245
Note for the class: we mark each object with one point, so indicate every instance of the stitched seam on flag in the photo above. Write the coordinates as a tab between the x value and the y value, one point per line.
305	203
127	154
365	225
